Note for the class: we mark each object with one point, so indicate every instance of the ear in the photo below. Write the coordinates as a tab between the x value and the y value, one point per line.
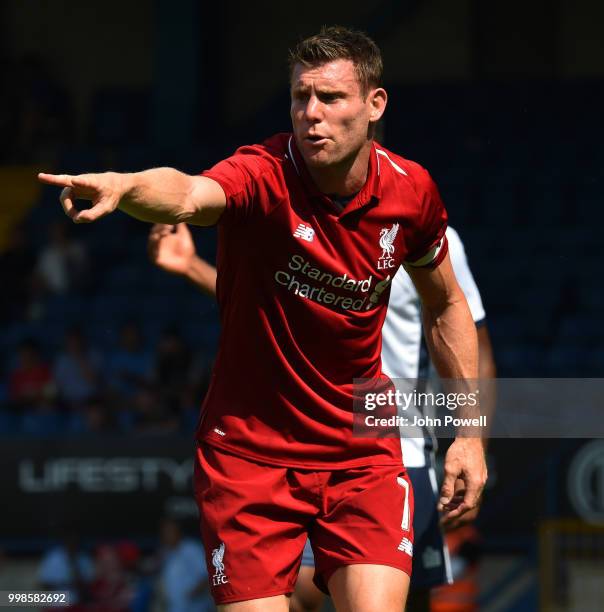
378	98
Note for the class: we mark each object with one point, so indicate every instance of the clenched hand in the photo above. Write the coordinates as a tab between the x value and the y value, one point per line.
171	247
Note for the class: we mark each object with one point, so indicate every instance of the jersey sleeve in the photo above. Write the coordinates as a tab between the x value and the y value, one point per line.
429	245
466	281
248	179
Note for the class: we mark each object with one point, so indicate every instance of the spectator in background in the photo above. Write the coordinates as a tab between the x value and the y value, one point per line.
130	367
67	567
111	590
153	415
97	417
30	384
77	371
63	263
138	576
184	577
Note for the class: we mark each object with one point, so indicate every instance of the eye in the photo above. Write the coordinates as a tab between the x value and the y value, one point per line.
299	96
329	97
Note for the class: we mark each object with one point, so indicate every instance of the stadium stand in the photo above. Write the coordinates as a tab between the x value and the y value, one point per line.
508	164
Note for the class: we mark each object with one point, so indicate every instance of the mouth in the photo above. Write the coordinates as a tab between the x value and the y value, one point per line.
315	140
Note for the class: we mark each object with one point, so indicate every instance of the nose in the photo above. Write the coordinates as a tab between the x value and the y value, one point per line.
313	111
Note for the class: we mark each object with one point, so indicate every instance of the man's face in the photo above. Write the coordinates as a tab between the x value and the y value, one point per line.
330	115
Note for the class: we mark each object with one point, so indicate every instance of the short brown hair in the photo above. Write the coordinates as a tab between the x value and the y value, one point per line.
336	42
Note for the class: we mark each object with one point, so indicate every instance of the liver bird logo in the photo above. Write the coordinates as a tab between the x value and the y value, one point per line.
387	237
217	557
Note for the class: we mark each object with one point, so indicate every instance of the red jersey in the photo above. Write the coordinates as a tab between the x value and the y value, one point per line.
303	289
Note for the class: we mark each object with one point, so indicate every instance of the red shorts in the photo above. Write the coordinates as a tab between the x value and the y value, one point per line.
255	519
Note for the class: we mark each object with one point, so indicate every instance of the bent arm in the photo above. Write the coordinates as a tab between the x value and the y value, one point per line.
453	343
203	275
449	328
165	195
172	249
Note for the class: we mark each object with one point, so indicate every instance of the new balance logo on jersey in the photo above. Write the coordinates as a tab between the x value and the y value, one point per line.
387	237
217	556
406	546
305	232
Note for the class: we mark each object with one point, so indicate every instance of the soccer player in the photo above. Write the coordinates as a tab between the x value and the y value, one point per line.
312	228
404	355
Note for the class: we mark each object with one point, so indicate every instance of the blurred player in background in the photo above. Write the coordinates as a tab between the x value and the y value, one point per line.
67	567
312	227
404	355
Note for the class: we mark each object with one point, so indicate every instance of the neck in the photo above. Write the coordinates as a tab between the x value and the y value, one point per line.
345	178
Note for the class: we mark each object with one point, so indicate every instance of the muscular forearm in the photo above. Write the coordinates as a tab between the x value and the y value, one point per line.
452	341
160	195
451	338
203	275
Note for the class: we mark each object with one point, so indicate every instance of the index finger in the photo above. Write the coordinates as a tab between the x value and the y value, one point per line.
60	180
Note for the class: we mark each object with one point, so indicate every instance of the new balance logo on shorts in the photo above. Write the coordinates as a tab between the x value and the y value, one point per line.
217	556
305	232
406	546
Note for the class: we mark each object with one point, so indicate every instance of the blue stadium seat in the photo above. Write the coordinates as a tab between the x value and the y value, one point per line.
42	424
75	423
9	423
126	419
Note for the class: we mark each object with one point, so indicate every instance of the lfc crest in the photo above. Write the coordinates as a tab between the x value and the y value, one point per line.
217	556
387	237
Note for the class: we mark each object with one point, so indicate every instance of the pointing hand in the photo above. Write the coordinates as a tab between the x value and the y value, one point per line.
104	191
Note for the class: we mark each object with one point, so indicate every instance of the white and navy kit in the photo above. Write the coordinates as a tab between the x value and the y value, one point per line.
404	351
405	355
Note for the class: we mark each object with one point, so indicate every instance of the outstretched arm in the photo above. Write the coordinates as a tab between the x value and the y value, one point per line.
160	195
172	249
452	340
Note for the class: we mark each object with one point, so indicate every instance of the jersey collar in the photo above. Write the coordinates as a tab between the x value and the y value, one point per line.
370	193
